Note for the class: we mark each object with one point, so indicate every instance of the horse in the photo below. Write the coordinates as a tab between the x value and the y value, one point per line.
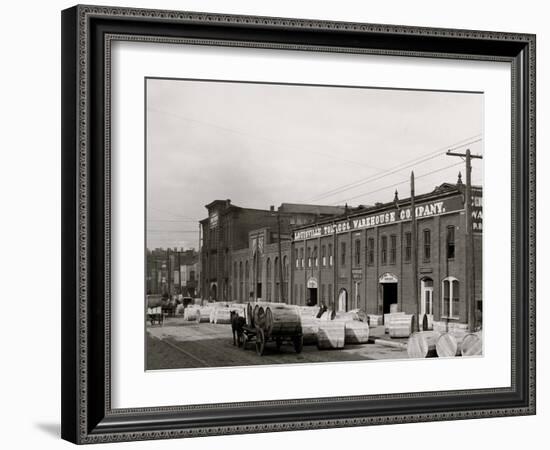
237	326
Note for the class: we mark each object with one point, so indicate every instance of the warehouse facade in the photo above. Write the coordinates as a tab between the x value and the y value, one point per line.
349	258
364	260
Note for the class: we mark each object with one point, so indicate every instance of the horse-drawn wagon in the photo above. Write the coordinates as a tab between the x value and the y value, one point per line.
271	322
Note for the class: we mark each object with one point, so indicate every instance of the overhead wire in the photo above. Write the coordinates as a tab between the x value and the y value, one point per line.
415	161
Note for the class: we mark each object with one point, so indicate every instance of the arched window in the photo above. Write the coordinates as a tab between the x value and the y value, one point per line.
246	279
285	279
235	280
450	298
259	269
315	257
276	279
241	281
268	276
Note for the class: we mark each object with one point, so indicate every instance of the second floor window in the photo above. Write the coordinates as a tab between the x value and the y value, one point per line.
343	253
393	248
330	260
324	255
370	251
384	250
408	246
450	242
427	245
357	252
315	257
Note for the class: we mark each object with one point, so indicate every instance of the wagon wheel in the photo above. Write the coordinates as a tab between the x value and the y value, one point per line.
241	340
298	342
260	341
278	343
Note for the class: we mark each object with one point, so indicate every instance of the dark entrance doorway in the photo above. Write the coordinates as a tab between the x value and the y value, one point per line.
259	290
312	297
214	292
389	295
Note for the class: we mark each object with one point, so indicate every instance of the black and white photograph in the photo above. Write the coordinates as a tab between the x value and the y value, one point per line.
310	224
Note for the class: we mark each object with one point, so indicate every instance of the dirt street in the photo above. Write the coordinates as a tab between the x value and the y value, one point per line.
180	344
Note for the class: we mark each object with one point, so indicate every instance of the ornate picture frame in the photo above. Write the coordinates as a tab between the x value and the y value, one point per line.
88	33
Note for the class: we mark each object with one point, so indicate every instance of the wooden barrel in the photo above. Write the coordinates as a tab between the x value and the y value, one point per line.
394	307
331	335
308	311
401	325
259	317
448	345
422	344
360	315
374	320
250	315
356	332
282	320
203	314
389	317
190	313
222	316
310	329
346	316
472	345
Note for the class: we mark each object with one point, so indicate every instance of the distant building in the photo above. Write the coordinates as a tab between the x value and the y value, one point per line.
172	271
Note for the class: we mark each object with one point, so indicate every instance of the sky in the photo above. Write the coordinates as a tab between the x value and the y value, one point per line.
266	144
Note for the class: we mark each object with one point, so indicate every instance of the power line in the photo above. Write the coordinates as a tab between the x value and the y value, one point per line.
171	213
399	167
172	220
396	184
261	138
172	231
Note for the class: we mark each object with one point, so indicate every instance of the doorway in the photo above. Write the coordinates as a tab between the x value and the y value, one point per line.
343	300
312	297
426	308
259	290
389	296
214	292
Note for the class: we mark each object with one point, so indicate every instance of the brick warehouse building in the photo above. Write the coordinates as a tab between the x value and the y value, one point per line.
226	231
364	260
349	258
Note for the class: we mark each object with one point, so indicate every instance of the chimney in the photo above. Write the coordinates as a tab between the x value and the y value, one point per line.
272	208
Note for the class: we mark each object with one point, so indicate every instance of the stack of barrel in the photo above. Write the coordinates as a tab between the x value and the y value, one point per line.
221	312
332	330
450	343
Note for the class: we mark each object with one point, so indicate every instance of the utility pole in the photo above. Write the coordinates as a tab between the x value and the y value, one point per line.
168	270
469	236
179	271
281	289
415	255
